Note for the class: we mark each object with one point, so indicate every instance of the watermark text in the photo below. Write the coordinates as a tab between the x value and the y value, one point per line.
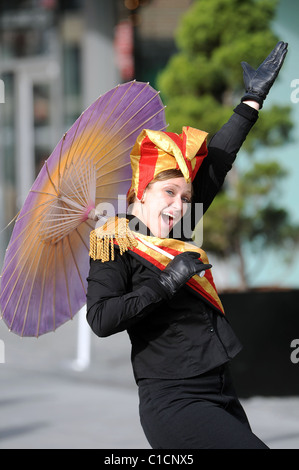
295	352
182	225
295	92
2	91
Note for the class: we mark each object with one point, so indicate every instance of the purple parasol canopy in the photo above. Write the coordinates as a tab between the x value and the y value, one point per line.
43	280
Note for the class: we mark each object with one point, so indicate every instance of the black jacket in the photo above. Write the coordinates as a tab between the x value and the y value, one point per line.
184	336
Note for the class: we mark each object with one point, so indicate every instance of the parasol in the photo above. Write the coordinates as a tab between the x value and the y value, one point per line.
43	280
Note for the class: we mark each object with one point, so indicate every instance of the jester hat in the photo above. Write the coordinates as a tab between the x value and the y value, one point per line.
157	151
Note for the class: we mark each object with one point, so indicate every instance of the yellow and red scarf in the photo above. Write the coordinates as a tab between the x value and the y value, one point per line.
154	250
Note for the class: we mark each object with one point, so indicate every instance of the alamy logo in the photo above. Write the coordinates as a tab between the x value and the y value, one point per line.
295	92
2	91
2	352
295	352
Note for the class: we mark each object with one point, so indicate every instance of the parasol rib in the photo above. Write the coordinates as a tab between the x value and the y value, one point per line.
43	193
54	285
22	290
95	125
42	292
109	115
119	142
32	284
50	179
76	264
35	209
71	146
124	125
112	182
24	255
59	159
127	122
80	236
66	280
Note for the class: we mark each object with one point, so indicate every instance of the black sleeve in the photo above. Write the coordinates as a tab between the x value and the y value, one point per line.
222	150
111	305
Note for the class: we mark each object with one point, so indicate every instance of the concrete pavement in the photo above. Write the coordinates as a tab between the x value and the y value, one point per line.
45	403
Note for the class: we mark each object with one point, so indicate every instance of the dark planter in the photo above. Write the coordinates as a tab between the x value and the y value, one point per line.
266	322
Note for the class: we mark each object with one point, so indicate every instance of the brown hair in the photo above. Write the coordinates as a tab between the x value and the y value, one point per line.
164	175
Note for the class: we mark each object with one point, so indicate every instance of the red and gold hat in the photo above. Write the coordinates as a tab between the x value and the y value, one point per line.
157	151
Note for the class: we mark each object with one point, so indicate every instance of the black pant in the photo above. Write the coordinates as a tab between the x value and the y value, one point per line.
201	412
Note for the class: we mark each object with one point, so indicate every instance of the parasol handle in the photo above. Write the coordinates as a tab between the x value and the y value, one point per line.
95	215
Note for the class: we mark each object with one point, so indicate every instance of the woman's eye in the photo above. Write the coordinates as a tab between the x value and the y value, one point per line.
169	191
186	200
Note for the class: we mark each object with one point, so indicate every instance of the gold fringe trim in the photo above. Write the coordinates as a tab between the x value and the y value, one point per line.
102	239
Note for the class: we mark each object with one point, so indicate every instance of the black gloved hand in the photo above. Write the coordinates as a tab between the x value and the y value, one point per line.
180	270
258	82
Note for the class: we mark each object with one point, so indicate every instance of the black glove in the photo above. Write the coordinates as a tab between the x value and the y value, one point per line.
180	270
258	82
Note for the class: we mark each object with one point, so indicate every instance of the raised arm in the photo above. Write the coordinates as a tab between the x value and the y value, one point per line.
225	144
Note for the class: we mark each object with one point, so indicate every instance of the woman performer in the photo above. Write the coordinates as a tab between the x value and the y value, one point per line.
160	288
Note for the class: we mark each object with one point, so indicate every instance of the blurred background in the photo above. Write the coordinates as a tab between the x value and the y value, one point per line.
56	58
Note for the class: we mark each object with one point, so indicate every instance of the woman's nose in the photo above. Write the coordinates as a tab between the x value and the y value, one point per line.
178	203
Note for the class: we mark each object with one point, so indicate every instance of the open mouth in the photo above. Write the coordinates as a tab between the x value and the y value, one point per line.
168	219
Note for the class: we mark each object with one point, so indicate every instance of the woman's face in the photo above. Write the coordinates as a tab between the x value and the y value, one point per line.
163	204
